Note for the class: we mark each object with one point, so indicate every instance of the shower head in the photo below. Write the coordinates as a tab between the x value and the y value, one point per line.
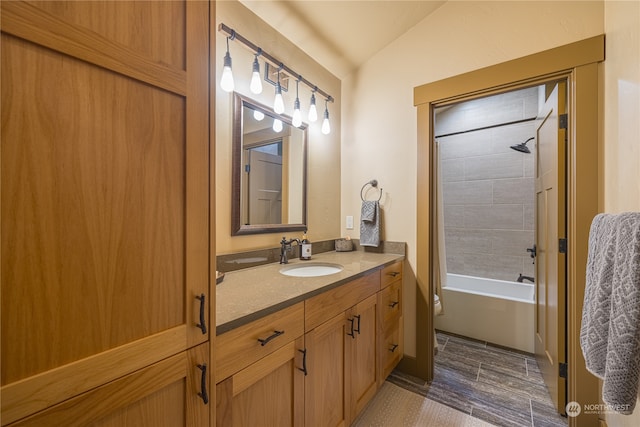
522	147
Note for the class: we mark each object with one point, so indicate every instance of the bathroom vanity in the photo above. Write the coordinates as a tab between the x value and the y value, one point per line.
307	350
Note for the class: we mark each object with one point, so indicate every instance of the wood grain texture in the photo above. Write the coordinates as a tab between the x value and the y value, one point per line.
390	274
390	303
269	392
104	193
240	347
323	307
93	210
363	367
326	387
166	378
31	23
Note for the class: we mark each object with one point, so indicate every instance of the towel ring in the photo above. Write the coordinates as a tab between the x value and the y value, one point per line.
374	184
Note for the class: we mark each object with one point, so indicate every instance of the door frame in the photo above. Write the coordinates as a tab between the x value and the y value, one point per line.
578	63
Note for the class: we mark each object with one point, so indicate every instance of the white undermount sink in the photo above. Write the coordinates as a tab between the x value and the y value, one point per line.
311	269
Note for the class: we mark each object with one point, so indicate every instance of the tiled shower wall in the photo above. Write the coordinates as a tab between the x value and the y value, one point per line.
488	188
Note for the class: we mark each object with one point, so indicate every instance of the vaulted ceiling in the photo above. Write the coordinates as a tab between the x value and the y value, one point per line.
342	35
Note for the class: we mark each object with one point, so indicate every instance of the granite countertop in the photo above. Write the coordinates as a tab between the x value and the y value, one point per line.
252	293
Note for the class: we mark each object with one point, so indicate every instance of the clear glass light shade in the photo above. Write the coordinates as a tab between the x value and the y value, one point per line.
277	125
297	115
313	112
278	102
326	127
256	82
258	115
226	82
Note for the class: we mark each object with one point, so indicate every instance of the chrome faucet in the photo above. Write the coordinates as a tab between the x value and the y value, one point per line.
285	245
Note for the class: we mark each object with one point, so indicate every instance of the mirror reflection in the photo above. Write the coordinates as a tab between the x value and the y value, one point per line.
269	170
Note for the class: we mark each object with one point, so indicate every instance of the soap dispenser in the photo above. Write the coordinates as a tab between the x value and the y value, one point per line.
305	247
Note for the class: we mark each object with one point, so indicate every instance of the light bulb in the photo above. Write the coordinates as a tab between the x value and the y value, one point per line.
297	115
278	102
258	115
226	82
326	127
256	82
277	125
313	112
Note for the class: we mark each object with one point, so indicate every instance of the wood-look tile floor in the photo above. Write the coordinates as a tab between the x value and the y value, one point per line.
497	385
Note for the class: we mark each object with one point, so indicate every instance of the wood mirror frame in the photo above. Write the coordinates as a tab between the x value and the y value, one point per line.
238	189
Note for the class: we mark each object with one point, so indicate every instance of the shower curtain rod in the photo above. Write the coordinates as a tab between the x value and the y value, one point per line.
515	122
234	35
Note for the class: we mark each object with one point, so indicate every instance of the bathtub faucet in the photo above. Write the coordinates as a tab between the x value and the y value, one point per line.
522	278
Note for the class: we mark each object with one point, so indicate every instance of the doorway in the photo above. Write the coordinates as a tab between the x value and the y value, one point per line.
578	64
500	174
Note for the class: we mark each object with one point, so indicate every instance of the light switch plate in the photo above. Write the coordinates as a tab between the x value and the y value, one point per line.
349	222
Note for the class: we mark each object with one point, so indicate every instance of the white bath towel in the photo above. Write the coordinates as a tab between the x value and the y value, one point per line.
370	223
610	333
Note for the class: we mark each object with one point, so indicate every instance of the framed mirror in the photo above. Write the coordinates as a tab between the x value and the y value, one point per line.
269	182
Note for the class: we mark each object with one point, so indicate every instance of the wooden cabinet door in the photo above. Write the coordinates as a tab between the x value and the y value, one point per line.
104	183
362	370
166	394
269	392
325	384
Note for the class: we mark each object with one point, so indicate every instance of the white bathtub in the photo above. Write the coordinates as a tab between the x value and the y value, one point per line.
495	311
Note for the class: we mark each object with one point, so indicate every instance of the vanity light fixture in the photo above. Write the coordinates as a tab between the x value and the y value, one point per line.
313	112
297	115
277	125
270	60
256	82
278	102
326	127
226	82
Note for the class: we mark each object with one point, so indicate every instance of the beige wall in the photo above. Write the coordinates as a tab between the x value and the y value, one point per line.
379	132
324	150
621	124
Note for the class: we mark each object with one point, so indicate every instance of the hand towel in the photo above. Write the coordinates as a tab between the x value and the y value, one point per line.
610	332
370	223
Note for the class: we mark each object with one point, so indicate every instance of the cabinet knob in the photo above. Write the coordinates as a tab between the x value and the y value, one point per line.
393	273
393	304
393	347
352	333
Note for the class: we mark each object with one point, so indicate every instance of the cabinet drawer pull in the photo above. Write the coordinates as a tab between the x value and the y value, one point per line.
393	273
393	304
304	361
351	334
358	327
203	383
275	334
202	325
393	347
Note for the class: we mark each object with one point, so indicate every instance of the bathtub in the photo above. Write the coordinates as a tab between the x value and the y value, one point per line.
496	311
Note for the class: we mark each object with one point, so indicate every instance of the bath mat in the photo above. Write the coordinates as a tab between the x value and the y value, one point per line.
394	406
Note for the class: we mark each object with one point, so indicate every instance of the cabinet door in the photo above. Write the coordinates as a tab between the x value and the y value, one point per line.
166	394
363	369
325	385
104	185
269	392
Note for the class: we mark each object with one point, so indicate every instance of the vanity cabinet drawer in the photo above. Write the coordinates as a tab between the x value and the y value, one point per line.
391	349
390	303
390	274
329	304
243	346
